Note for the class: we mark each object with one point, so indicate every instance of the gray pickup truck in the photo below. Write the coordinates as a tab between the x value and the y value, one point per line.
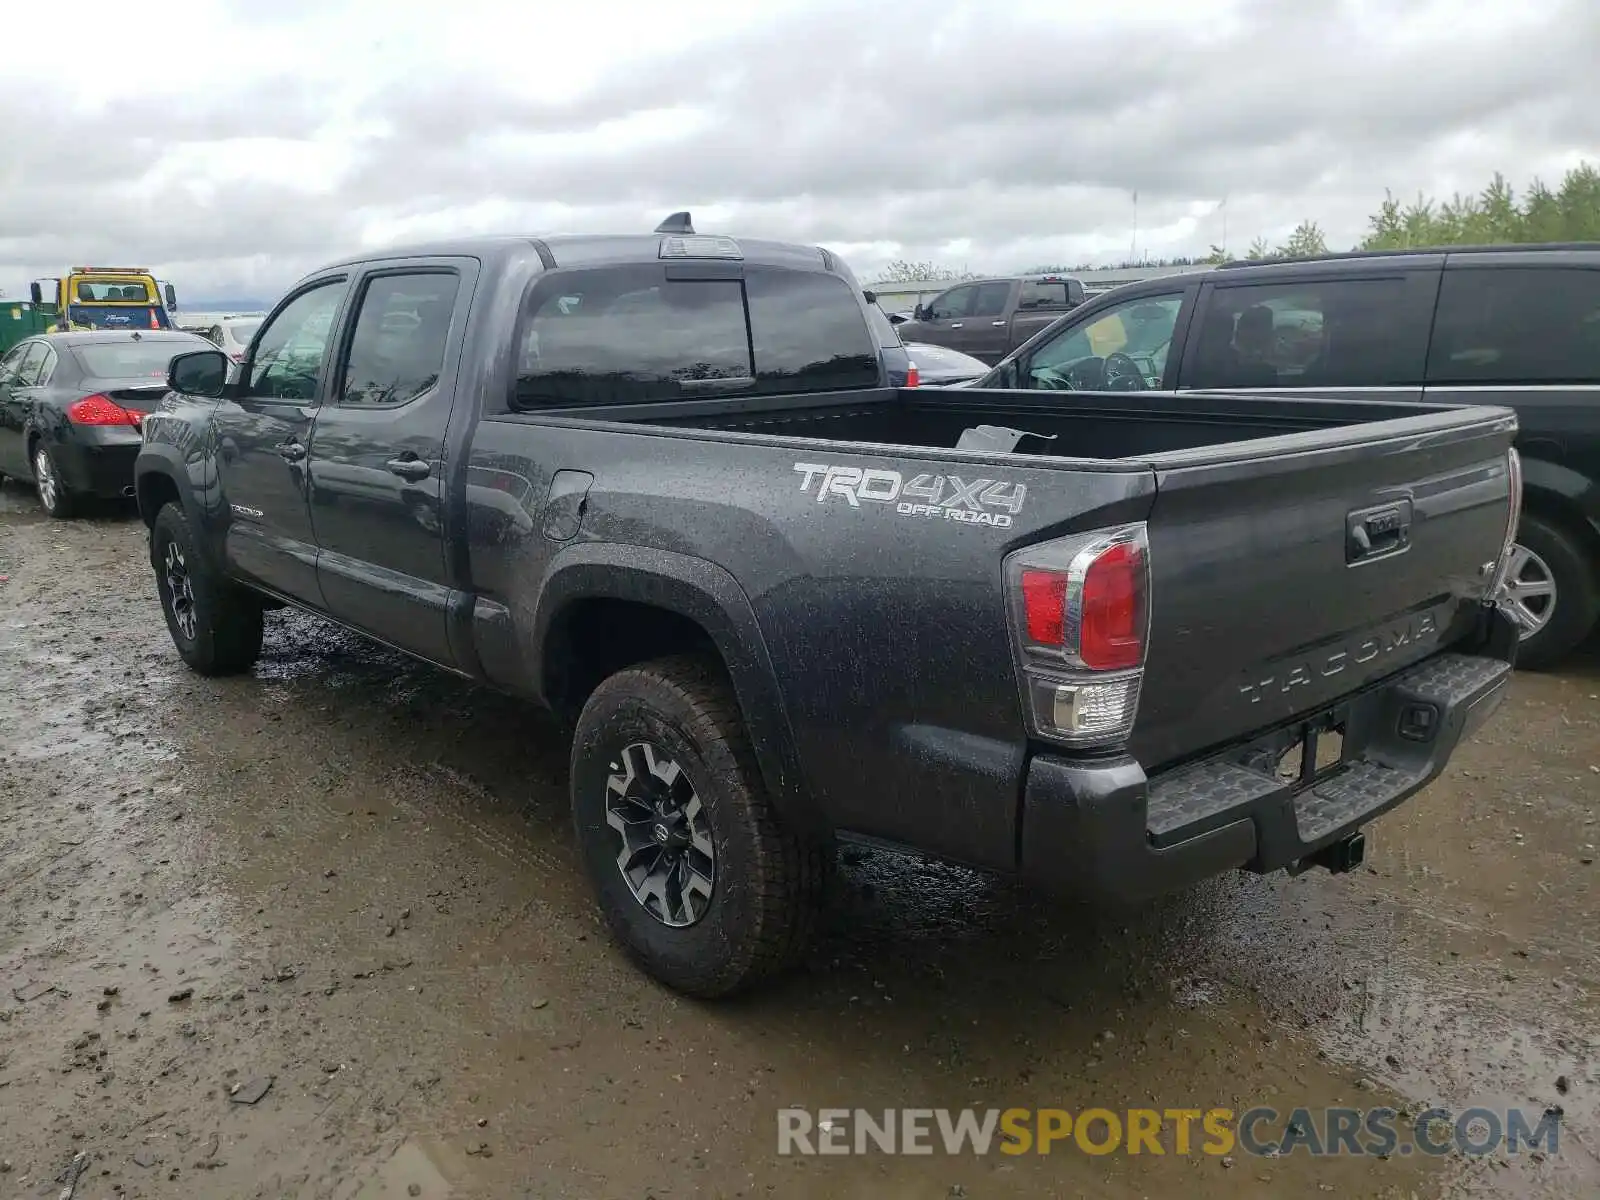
989	318
659	484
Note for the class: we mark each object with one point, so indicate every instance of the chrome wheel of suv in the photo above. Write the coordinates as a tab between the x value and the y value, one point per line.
663	835
1530	590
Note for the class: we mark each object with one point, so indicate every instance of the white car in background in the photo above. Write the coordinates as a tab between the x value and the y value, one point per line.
232	335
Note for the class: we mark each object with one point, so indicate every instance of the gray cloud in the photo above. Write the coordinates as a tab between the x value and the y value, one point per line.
967	131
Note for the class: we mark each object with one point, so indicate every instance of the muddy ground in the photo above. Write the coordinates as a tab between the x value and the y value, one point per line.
350	875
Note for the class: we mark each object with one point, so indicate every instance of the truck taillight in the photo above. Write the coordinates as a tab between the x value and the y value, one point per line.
1080	618
1513	519
913	376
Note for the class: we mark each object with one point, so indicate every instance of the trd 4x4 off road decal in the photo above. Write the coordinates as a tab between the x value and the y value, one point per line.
945	497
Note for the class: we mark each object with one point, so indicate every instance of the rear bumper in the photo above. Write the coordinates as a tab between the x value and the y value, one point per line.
99	464
1103	830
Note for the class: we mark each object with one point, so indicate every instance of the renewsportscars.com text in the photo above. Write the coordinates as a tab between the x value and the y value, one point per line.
1261	1131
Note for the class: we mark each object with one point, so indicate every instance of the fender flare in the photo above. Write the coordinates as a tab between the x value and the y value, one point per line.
709	596
164	461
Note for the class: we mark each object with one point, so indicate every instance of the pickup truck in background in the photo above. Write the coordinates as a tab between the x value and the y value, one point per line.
989	318
659	484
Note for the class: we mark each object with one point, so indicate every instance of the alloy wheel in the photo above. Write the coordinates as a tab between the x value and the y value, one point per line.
44	476
1529	591
663	835
180	591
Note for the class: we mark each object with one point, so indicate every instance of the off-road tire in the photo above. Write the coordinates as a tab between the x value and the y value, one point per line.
227	619
768	880
1577	598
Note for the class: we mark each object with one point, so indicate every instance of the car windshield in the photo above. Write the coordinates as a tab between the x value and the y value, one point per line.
95	292
125	360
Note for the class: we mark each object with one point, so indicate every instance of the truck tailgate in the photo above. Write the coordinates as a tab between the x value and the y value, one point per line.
1290	571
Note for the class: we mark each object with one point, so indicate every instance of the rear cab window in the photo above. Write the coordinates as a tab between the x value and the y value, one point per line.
1528	325
808	332
1045	293
123	291
630	335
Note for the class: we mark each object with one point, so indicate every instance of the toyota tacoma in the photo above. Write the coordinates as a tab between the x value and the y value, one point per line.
659	483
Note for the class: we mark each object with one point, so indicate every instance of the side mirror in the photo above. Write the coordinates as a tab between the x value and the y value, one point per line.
870	296
919	313
35	293
199	373
172	298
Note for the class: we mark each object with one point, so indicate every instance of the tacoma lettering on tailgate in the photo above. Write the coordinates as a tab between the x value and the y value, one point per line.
1296	672
941	497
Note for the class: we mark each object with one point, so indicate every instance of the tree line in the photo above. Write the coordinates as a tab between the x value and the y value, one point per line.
1495	216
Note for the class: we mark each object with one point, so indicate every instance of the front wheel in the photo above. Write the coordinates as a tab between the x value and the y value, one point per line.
1552	590
215	625
694	871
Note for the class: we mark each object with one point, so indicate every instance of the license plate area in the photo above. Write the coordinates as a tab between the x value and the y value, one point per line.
1304	754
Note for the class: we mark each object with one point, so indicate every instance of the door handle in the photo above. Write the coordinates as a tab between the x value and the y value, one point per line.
998	324
291	451
955	324
1376	532
409	468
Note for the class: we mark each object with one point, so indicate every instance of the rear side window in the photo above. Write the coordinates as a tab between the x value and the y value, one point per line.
630	335
809	333
31	367
1512	325
1316	333
397	349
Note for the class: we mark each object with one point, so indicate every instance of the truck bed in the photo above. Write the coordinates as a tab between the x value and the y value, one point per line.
1250	501
1075	425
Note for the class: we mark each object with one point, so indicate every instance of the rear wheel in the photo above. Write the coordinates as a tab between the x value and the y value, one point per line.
695	873
1551	587
53	494
215	625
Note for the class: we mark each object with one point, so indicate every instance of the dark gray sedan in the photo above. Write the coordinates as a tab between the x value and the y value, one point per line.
70	408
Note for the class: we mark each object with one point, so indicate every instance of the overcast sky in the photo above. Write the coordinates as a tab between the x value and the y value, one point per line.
234	144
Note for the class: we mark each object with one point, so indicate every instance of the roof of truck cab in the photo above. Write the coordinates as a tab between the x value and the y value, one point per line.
589	249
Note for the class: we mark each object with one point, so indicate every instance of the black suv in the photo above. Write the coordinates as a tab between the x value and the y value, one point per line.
1515	325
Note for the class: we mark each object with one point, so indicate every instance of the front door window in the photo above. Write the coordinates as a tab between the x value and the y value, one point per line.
1124	347
290	354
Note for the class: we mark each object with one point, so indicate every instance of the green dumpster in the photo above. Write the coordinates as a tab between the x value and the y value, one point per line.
19	319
